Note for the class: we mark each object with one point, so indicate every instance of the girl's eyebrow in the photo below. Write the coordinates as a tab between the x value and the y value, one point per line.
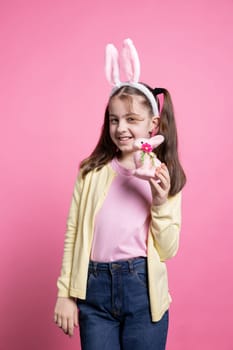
137	116
131	113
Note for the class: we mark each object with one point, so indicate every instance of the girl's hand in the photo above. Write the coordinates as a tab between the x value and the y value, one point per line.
160	190
66	315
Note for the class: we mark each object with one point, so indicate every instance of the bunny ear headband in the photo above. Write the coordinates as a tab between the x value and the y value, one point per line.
132	70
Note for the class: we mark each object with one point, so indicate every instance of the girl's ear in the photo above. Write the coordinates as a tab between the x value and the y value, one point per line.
155	126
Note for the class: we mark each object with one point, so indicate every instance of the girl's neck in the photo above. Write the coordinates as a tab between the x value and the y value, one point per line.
126	161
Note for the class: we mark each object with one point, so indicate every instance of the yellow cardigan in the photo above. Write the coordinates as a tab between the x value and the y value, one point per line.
163	240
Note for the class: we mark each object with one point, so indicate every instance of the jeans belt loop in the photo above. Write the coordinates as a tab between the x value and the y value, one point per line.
131	267
95	268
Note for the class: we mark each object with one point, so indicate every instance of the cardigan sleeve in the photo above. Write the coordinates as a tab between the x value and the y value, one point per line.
63	281
165	226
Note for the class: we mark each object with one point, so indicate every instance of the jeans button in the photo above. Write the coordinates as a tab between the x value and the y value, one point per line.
115	266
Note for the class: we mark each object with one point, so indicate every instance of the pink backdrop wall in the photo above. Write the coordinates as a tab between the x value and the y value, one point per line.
52	96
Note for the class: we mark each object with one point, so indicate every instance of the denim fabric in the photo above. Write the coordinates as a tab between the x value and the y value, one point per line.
116	312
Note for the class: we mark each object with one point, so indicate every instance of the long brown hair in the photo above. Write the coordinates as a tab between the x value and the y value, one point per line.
167	152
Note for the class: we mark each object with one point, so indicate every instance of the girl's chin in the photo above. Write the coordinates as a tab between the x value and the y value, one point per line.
126	152
126	148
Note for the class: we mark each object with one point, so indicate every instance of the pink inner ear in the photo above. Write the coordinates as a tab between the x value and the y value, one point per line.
156	140
131	61
112	65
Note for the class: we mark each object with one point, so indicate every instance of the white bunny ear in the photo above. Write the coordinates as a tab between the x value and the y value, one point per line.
131	61
112	65
156	140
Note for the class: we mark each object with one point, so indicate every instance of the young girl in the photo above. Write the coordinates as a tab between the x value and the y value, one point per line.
121	229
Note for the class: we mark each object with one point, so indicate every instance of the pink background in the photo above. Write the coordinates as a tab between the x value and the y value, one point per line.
52	97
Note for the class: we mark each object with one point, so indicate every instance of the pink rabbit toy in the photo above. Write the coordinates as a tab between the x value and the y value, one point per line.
145	159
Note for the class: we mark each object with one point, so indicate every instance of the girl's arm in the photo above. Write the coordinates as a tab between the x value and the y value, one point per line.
165	216
65	312
63	281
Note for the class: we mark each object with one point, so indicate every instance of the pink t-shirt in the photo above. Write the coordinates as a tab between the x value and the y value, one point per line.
121	225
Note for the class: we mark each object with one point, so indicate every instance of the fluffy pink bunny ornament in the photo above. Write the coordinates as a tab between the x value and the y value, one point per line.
145	159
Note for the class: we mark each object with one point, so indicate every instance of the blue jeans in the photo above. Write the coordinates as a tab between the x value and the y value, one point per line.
116	312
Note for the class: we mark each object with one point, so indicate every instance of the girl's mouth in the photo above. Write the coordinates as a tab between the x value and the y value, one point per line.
124	138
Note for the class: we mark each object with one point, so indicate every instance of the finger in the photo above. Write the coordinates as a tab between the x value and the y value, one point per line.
163	171
59	321
163	168
160	186
76	318
64	325
160	183
70	329
163	175
163	165
157	189
164	182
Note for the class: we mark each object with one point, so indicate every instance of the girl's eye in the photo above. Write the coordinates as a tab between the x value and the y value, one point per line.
113	121
130	119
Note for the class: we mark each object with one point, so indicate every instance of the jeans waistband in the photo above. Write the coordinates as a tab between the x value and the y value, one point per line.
123	265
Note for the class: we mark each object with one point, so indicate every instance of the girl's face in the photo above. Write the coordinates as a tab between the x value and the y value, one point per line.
128	122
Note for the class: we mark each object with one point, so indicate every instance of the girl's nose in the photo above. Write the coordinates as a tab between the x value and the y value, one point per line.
121	127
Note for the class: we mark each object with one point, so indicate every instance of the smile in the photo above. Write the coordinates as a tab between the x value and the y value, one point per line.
124	138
